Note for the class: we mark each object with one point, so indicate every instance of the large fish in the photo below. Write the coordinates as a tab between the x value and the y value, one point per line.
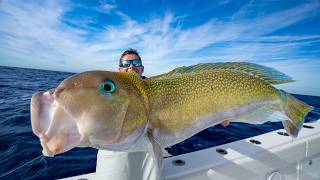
120	111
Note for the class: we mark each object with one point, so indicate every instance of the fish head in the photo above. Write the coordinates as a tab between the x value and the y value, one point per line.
90	109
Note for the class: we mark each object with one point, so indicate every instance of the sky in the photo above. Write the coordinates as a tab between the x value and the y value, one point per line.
77	36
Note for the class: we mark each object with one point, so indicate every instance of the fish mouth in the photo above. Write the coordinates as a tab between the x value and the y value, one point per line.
56	128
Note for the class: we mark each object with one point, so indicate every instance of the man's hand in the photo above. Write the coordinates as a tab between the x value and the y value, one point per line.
165	153
225	123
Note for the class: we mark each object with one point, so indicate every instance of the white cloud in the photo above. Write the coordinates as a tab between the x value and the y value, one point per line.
106	6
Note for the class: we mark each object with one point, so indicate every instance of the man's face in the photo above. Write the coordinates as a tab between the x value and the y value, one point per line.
137	69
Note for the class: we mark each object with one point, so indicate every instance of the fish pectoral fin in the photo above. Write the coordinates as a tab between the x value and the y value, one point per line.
156	153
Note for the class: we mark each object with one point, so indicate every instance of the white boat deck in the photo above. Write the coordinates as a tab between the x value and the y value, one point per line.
269	156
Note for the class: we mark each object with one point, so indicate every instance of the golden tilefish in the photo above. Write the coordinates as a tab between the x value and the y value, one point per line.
121	111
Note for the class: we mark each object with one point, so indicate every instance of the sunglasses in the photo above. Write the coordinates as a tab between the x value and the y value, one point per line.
134	62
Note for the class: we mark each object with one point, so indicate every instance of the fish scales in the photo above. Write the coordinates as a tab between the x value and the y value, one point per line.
136	116
190	96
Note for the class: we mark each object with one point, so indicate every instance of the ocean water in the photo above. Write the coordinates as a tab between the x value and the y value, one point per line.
20	150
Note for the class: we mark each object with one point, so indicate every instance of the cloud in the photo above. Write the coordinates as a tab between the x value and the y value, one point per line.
47	35
265	24
105	6
38	32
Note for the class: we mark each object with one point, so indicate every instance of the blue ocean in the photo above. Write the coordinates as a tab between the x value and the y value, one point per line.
20	150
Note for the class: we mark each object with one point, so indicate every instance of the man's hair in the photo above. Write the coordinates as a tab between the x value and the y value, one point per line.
129	51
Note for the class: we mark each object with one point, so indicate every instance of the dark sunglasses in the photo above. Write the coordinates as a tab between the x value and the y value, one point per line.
134	62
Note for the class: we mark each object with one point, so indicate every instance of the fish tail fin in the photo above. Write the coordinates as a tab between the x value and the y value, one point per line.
296	110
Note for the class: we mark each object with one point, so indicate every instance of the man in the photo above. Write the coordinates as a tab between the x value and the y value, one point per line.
126	165
130	60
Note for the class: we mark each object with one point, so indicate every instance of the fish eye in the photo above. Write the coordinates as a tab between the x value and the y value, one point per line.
107	87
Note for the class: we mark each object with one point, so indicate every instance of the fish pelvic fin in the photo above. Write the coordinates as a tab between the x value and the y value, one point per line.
296	110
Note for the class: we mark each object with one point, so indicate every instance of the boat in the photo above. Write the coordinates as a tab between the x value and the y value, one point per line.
271	156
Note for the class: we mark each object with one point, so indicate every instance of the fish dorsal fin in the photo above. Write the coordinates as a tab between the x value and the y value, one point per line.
268	74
